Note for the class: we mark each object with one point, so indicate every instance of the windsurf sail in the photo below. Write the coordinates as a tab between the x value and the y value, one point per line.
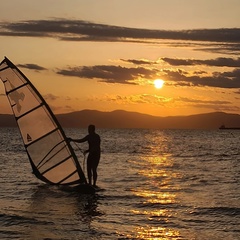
52	158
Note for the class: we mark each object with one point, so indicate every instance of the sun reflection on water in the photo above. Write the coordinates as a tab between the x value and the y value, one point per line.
153	233
156	197
158	194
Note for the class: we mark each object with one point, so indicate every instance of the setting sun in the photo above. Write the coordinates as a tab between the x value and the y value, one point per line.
158	83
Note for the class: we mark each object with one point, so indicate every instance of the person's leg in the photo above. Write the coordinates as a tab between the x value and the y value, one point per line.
94	170
89	171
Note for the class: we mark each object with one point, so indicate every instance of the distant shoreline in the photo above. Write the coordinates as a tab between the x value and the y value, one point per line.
124	119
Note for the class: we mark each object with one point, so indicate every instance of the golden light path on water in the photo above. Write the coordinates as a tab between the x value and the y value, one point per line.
157	192
157	233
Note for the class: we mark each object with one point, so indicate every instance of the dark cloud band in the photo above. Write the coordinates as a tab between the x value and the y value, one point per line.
80	30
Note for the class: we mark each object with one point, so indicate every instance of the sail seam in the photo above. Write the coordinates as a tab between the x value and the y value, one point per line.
4	68
38	166
59	163
38	139
16	88
67	177
26	113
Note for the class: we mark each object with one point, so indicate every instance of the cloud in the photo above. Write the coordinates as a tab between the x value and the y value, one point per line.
217	79
216	105
65	108
32	66
134	99
222	40
178	77
218	62
224	48
199	101
145	99
109	73
79	30
139	62
50	97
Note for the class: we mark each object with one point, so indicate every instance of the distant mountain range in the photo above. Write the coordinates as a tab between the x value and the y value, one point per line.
124	119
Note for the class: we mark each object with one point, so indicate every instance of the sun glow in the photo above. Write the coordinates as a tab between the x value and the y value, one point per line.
158	83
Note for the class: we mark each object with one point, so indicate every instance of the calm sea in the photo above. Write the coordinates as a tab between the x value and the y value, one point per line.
154	184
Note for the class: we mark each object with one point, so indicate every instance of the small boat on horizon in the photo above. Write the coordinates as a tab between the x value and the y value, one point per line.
223	127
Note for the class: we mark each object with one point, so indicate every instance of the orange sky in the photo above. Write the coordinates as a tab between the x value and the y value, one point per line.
105	55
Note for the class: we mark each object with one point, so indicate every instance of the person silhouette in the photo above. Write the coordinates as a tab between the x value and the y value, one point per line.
94	153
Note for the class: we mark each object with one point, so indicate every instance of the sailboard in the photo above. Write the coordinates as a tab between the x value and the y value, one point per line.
51	156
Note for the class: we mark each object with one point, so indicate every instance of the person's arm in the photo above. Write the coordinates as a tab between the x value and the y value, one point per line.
79	140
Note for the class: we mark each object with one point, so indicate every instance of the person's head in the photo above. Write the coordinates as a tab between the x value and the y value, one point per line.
91	129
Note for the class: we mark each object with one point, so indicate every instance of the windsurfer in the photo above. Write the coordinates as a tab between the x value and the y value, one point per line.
94	153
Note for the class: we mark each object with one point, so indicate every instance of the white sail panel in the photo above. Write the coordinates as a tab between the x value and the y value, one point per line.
51	156
28	126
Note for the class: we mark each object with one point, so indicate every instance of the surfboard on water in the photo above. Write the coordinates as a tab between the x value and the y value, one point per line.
51	156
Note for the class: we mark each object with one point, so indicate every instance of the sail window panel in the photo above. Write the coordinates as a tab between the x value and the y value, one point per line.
35	124
61	171
47	147
23	101
14	80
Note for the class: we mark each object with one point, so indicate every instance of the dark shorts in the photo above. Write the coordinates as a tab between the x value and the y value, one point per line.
93	160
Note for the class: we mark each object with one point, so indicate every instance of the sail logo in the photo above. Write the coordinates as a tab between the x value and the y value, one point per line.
29	139
16	96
